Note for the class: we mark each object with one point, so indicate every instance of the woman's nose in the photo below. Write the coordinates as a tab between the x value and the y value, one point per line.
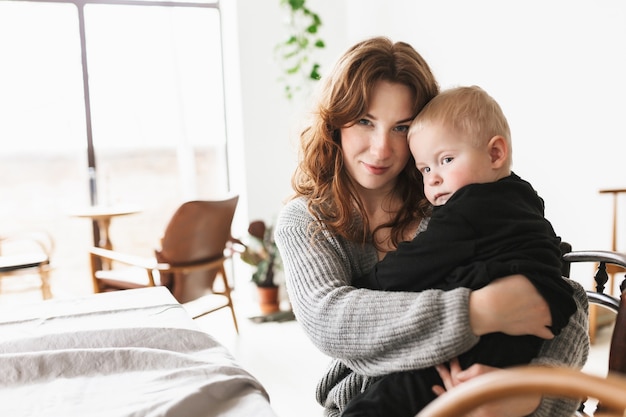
380	145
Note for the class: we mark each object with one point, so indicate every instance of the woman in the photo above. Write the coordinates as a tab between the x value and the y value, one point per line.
358	194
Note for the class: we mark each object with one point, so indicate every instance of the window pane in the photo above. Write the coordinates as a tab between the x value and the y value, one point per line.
157	111
155	78
43	152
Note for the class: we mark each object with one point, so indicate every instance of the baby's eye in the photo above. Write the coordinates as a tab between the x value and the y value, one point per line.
424	170
447	160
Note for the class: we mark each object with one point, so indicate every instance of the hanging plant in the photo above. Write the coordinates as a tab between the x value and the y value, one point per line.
294	54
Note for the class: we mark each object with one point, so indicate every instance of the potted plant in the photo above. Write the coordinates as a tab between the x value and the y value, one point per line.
261	252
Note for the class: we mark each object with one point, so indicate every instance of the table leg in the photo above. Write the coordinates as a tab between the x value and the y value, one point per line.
105	240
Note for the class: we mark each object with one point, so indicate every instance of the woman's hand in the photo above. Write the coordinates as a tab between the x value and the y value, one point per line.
510	305
510	407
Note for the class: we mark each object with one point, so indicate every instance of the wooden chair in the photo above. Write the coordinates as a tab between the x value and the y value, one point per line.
561	382
599	317
189	261
558	382
617	353
27	253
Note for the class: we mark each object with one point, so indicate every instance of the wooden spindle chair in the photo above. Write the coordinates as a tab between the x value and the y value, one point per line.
610	391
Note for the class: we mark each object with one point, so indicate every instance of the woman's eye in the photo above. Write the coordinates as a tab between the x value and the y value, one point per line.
364	122
402	129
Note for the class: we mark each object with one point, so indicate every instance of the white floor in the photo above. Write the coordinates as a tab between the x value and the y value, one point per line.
279	355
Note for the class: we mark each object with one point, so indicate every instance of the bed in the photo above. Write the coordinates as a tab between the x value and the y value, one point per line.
125	353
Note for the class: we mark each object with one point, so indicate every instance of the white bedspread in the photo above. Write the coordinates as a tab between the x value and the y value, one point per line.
145	361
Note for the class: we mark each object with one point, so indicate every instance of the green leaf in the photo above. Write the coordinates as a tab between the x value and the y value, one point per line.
291	54
294	70
315	75
296	4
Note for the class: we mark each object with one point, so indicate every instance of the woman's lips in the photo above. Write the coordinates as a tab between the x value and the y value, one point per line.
376	170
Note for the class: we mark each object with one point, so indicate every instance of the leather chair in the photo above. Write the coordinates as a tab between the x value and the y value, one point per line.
189	261
27	253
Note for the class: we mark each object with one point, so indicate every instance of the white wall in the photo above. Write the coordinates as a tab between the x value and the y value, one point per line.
557	67
271	122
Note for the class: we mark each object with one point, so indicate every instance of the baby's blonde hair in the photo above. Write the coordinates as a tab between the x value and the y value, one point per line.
469	111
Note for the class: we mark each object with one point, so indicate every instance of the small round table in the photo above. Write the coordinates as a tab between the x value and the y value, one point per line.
102	215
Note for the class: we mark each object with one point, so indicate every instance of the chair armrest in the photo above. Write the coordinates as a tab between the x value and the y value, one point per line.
43	240
596	256
133	260
186	268
602	258
151	263
605	300
559	382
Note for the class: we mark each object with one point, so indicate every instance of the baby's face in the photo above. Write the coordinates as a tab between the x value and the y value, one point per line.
447	161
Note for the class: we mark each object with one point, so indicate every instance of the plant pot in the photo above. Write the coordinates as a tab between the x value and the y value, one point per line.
268	299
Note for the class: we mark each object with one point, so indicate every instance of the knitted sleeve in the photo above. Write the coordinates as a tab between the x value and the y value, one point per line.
372	332
570	348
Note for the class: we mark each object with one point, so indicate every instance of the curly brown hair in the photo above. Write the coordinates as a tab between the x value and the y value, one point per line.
344	98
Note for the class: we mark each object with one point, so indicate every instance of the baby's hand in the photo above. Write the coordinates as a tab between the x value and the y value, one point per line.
513	407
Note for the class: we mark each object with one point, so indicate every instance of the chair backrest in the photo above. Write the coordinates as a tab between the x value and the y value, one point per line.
617	349
198	231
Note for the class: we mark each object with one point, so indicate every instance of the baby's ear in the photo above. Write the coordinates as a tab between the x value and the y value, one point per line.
498	150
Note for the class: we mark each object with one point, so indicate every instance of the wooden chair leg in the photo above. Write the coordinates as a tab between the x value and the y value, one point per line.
44	274
94	261
232	312
222	272
593	323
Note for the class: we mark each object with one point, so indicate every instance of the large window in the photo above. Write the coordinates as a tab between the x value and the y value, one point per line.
149	122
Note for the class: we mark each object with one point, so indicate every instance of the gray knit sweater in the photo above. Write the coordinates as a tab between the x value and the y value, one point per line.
370	333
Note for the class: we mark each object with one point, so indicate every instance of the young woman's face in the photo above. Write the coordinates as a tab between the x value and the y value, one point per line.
375	148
